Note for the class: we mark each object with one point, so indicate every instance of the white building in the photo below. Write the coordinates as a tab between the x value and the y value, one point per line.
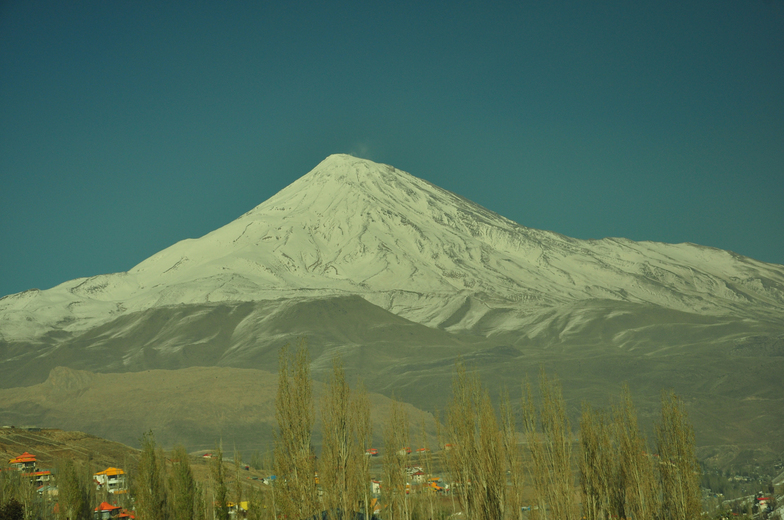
112	479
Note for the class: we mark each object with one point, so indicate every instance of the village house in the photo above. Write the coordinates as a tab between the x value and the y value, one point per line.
107	511
436	484
48	490
40	477
111	479
24	462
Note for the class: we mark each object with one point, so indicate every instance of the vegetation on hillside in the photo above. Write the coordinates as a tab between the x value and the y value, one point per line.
486	468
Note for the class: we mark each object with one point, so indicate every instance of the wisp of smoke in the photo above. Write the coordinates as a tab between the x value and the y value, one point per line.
361	150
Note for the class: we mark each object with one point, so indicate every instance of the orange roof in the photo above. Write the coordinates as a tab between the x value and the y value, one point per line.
24	457
37	473
110	472
106	506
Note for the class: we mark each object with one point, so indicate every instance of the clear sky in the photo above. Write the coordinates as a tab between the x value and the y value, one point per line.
126	126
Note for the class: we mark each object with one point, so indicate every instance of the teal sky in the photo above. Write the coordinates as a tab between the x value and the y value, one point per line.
128	126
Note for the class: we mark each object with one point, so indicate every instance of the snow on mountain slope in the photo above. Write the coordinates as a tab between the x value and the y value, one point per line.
352	226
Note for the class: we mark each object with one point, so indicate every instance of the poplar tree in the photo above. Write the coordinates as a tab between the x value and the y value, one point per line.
396	439
426	462
182	487
237	477
636	477
342	473
294	459
19	495
477	456
598	466
72	493
551	451
514	459
255	510
200	504
680	484
150	489
220	492
360	407
620	479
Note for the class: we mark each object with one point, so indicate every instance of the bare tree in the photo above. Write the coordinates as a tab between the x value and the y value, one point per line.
182	487
237	476
200	504
150	488
219	491
268	461
396	440
426	462
360	412
551	451
294	459
72	492
636	473
342	455
514	460
678	465
255	509
18	493
598	465
477	459
619	476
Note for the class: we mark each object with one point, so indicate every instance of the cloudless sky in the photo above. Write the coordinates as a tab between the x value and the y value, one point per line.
126	126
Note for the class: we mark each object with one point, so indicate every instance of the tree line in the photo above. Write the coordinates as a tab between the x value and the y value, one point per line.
495	470
542	470
608	471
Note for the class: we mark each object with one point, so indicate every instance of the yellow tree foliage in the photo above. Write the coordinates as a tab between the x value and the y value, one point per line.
295	463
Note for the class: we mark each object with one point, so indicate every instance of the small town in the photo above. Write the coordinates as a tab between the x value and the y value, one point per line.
110	490
486	471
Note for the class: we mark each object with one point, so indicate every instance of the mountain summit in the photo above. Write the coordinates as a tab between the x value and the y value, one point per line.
352	226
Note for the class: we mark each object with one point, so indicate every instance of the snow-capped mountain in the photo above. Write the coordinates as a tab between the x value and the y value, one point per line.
400	278
354	227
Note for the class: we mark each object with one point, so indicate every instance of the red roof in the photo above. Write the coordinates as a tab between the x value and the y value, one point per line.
24	457
106	506
37	473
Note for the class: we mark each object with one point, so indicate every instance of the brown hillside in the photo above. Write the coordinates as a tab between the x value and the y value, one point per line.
196	407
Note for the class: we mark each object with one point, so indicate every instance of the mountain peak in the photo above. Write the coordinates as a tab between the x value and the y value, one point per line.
353	226
343	159
348	182
344	167
351	170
